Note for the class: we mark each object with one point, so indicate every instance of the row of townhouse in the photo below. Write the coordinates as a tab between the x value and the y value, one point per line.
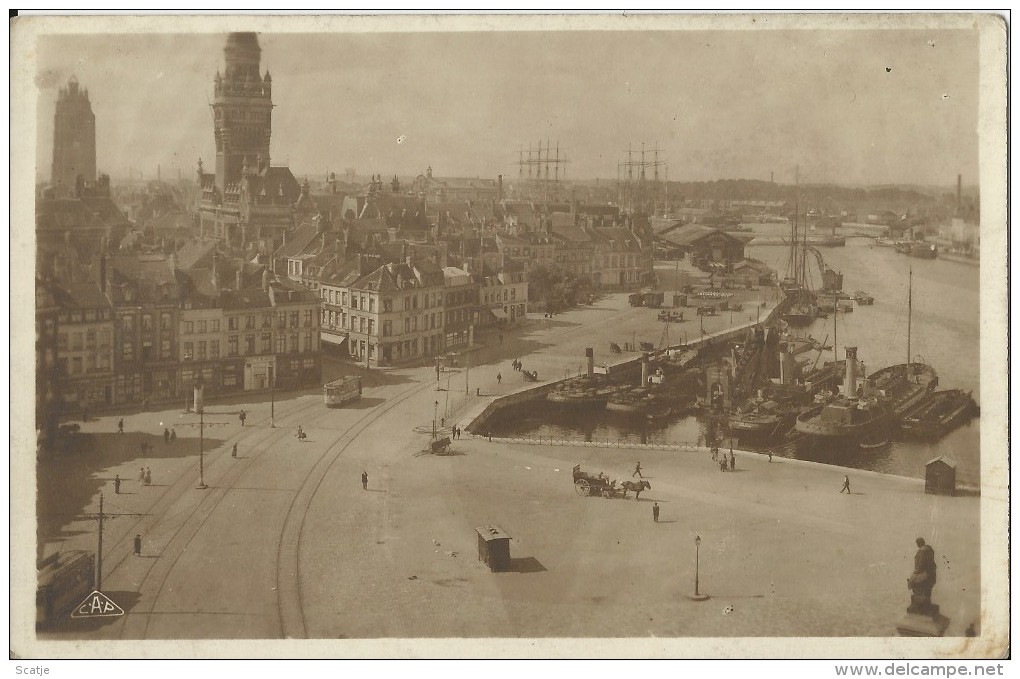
389	312
149	331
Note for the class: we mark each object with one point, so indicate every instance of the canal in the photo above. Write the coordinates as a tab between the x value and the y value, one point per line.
945	331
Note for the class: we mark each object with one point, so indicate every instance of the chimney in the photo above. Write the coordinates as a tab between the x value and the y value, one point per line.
644	369
850	384
590	354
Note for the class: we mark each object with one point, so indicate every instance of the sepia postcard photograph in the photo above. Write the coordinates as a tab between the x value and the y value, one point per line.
652	336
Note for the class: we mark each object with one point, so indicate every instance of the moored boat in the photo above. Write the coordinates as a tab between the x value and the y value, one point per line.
920	249
938	414
857	414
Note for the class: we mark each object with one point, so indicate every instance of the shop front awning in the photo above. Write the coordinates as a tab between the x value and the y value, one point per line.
498	312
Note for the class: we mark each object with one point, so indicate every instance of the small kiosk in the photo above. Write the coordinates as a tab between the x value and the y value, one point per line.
940	476
494	547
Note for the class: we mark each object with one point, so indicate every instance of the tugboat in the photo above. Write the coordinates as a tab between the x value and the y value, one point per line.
857	414
938	414
774	408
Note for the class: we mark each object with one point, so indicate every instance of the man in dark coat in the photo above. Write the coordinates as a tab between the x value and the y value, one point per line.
116	484
655	512
364	480
120	426
138	545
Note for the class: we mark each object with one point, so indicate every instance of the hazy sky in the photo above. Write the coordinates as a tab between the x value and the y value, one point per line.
862	106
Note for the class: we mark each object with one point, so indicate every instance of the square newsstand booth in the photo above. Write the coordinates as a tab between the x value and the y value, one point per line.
494	547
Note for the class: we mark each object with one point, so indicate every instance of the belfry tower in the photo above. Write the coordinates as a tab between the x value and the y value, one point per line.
242	111
74	138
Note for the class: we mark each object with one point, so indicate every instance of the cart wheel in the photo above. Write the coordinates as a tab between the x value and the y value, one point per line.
582	487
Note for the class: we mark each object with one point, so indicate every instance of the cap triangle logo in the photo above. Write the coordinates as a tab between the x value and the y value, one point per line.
97	605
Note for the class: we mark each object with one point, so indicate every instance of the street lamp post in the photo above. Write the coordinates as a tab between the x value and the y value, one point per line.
435	412
697	596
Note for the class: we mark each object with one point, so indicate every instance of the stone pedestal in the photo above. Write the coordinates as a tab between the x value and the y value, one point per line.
930	623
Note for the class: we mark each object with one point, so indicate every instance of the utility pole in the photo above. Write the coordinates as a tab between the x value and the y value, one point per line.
99	549
272	396
201	449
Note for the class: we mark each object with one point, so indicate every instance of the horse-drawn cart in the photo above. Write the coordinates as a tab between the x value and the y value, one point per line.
586	484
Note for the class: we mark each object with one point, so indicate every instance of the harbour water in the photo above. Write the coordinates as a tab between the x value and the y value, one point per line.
945	331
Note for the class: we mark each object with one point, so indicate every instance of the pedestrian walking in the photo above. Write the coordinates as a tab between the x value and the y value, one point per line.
138	545
242	416
148	476
166	436
116	484
770	455
655	512
722	464
637	471
233	452
733	463
715	453
499	378
141	475
846	485
364	480
120	426
173	434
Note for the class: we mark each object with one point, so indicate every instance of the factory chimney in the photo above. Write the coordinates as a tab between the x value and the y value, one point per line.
590	354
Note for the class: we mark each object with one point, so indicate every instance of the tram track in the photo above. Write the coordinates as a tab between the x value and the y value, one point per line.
289	605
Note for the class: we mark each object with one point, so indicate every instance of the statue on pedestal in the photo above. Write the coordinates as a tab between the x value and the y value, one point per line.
922	580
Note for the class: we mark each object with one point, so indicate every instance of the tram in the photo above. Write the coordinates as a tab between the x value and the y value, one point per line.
342	391
65	579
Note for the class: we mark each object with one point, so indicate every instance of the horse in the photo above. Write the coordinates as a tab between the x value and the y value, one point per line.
636	487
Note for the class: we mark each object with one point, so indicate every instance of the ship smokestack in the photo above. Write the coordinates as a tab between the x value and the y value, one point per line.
786	365
644	369
590	354
850	384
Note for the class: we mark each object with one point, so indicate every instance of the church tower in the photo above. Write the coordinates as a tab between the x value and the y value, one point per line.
242	111
74	138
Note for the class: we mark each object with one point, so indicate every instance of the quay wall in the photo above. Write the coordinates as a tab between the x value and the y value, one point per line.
476	424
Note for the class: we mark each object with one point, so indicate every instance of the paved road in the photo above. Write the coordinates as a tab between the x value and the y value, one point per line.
223	562
285	542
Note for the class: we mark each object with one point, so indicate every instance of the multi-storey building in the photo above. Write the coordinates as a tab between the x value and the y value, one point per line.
460	307
85	348
619	260
502	294
144	293
574	250
395	313
48	306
